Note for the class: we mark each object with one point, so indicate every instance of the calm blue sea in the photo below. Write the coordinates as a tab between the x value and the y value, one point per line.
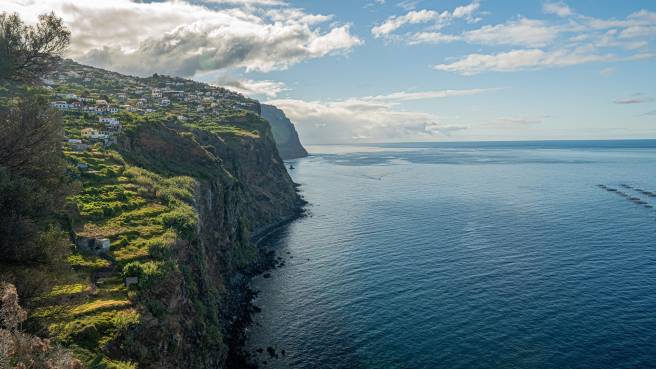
468	255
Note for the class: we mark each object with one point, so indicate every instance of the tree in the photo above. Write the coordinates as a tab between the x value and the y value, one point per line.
29	52
32	177
32	168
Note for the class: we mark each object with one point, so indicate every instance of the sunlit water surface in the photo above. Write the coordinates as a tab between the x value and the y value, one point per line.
504	255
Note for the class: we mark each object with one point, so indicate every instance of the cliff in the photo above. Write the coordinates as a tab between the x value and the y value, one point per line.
179	203
284	133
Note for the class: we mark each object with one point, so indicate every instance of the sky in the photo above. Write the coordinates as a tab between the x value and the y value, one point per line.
394	70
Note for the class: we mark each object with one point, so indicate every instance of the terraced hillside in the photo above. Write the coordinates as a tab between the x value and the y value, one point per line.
161	227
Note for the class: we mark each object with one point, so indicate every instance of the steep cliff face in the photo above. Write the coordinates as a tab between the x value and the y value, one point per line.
242	189
162	222
284	133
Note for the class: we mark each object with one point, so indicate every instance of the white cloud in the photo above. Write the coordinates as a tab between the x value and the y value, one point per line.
432	38
180	38
547	45
536	43
375	3
634	99
360	120
249	2
607	72
408	4
401	96
560	9
424	16
466	11
638	32
526	32
413	17
370	118
521	121
523	59
253	88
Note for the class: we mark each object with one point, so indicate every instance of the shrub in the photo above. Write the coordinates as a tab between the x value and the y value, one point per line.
21	350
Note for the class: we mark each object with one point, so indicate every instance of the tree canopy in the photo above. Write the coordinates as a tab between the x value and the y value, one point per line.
32	168
29	52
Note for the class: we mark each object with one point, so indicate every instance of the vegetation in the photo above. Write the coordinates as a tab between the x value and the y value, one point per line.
21	350
32	178
33	181
158	290
143	214
28	52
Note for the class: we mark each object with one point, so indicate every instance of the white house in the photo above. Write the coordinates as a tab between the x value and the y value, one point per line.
109	121
112	109
61	105
165	102
93	245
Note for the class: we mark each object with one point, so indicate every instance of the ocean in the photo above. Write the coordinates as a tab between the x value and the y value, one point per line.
466	255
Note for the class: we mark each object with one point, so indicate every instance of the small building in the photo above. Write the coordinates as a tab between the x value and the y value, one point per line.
109	121
112	109
74	141
174	94
82	166
165	102
129	281
61	105
88	132
96	246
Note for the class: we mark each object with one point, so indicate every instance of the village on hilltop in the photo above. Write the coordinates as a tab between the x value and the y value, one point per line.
96	103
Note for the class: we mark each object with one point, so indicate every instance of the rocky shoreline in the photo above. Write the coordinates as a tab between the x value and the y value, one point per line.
238	356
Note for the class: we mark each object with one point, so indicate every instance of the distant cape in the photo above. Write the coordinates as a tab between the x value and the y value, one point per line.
284	133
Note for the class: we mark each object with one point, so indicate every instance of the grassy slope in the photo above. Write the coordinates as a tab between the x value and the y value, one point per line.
137	210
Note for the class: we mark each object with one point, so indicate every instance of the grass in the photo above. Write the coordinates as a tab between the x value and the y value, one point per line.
99	305
143	214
